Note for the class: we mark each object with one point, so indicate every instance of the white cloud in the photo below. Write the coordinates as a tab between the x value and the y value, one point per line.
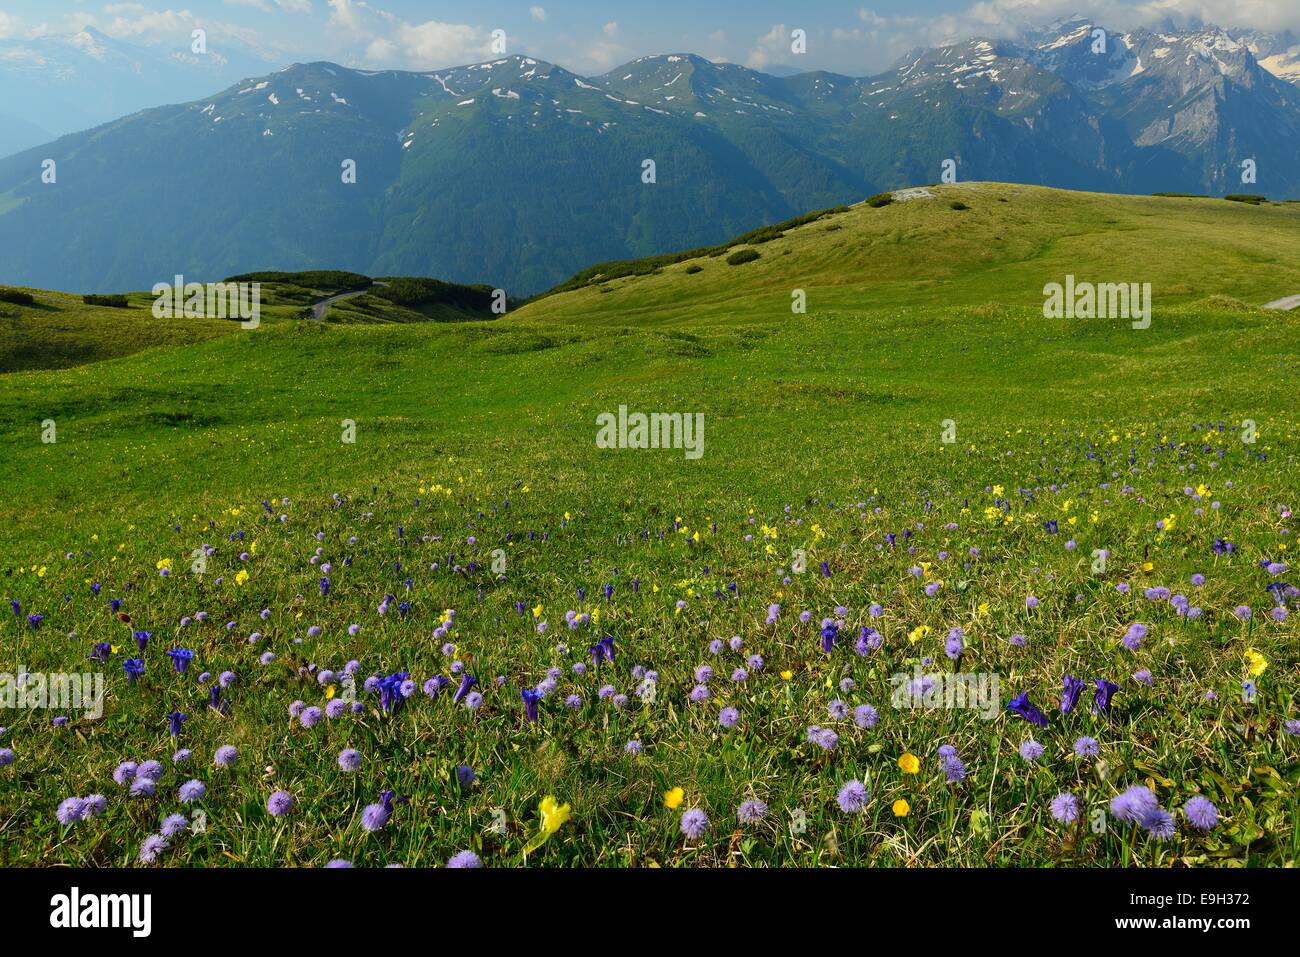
346	14
771	47
386	41
262	5
433	44
8	25
610	30
538	14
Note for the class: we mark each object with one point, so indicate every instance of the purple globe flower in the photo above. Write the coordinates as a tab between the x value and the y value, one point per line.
1201	813
1065	808
192	791
1031	750
1159	823
1133	804
728	717
151	847
852	797
751	812
225	756
694	823
349	759
279	804
464	859
69	810
375	816
864	716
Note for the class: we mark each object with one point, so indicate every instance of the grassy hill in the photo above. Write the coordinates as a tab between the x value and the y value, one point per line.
1003	248
58	330
826	488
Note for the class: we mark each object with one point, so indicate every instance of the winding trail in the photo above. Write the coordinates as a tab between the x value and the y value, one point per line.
318	309
1290	302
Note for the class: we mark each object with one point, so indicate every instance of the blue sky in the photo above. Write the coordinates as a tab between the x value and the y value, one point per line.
591	37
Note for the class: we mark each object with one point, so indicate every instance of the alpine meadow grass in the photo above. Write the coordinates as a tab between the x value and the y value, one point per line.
949	583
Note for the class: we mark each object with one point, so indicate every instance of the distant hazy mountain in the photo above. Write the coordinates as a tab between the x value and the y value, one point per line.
519	173
61	83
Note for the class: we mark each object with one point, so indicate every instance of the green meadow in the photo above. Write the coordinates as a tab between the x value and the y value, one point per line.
920	439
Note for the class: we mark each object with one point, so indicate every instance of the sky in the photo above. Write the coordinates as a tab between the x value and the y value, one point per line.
592	37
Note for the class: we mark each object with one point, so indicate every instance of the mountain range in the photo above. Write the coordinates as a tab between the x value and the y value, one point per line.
520	173
60	83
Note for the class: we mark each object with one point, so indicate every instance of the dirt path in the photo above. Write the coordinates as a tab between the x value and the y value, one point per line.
318	308
1290	302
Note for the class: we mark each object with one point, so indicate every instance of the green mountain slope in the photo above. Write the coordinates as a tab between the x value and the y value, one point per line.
922	254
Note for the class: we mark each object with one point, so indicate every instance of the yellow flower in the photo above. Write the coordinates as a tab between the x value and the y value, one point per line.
329	693
901	808
537	611
984	608
673	798
917	633
553	814
998	490
1257	662
241	576
909	763
787	675
1148	567
164	563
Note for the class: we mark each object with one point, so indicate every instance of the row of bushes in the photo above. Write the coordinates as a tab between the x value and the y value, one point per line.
415	291
1250	198
324	279
16	296
115	301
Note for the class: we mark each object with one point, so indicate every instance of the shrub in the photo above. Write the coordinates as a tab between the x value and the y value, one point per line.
742	256
693	268
324	279
16	296
958	204
115	301
414	291
1246	198
880	199
1181	195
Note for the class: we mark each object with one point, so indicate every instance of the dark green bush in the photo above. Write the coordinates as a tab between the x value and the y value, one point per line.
413	291
742	256
332	280
880	199
1246	198
115	300
958	204
693	268
16	296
